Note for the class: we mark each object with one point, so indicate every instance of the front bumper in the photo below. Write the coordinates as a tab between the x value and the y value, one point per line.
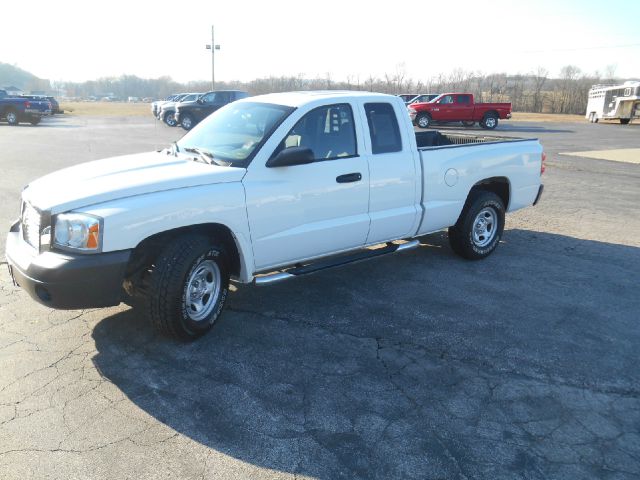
66	280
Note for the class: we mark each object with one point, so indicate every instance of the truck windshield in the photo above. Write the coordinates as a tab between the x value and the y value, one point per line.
235	132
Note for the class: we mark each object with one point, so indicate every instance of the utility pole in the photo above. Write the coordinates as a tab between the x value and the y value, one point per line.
213	47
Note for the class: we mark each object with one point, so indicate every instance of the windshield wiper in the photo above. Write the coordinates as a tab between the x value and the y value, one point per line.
206	156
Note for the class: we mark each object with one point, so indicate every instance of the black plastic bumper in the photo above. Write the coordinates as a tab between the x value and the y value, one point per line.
65	280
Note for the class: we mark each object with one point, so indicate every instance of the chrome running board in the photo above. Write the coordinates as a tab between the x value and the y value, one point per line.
332	262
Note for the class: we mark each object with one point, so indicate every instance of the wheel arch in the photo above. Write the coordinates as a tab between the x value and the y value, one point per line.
148	249
498	185
494	112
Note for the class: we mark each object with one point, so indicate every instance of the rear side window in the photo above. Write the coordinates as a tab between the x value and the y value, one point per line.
383	128
466	99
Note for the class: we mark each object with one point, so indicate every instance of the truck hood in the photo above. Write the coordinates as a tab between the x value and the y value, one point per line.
119	177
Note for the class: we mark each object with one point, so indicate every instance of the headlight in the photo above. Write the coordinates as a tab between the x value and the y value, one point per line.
78	231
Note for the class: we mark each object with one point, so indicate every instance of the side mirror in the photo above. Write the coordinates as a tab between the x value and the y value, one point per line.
291	156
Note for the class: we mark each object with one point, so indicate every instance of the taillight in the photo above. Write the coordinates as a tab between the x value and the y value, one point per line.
543	165
27	104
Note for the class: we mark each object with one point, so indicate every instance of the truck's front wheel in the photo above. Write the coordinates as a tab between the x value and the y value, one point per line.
423	120
188	287
186	121
169	119
480	226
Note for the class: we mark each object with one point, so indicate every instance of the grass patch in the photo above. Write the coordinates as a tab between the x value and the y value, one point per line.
124	109
546	117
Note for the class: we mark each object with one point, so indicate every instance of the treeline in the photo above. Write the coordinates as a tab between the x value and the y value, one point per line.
533	92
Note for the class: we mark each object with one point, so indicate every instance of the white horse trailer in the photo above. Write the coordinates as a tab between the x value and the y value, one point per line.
614	102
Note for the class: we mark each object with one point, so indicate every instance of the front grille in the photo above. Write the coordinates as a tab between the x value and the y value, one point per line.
30	223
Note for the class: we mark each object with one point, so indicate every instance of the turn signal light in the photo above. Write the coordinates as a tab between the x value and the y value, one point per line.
92	239
543	165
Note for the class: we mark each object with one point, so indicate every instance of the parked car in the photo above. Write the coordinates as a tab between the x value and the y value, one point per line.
55	106
410	98
407	97
155	106
189	115
265	189
168	109
14	110
423	98
459	107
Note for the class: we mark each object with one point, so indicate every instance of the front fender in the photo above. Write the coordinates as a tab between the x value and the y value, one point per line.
128	221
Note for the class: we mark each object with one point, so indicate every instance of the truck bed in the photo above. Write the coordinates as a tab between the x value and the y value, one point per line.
433	139
452	163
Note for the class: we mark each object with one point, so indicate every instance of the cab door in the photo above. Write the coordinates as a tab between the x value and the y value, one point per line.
462	109
445	109
305	211
395	175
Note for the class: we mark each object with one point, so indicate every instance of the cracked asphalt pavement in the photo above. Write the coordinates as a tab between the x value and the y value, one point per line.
419	365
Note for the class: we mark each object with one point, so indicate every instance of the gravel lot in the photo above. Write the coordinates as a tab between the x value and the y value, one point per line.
419	365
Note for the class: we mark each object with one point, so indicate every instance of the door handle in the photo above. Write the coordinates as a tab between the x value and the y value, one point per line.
349	177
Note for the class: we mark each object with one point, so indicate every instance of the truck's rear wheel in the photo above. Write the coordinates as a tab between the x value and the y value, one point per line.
490	121
479	228
423	120
34	120
624	121
12	117
188	287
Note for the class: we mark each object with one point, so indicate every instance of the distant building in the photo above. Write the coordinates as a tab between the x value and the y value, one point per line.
13	90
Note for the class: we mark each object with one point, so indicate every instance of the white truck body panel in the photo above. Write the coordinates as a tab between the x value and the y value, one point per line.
119	177
520	164
281	216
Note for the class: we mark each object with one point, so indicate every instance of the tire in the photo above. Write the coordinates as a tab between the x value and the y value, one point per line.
468	124
187	121
169	119
479	229
592	117
178	283
423	120
12	117
490	121
625	121
34	120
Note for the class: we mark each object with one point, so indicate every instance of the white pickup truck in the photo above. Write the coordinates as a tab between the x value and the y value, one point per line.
265	189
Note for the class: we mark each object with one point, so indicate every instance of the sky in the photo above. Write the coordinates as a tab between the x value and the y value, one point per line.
70	40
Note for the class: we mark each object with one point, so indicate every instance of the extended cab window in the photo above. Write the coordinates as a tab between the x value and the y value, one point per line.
328	131
465	99
383	128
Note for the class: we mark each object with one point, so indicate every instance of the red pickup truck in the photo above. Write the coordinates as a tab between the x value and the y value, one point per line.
458	107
